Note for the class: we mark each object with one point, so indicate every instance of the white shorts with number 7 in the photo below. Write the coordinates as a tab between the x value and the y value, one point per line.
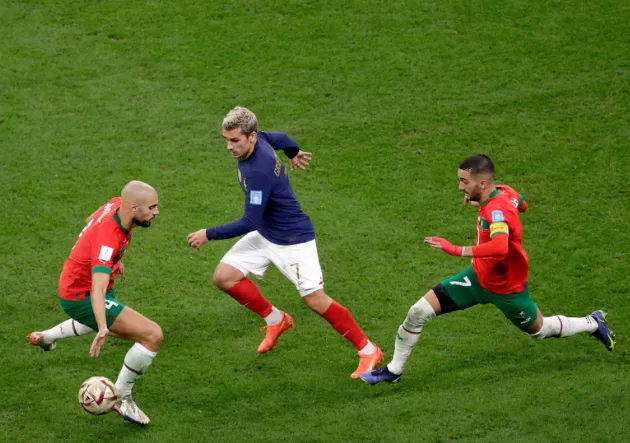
299	263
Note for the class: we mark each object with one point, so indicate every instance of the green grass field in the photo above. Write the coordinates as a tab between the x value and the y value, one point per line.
390	97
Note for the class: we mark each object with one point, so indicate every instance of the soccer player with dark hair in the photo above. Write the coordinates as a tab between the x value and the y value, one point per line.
276	230
498	274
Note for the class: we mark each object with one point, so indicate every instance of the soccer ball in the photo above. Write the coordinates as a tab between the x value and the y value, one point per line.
98	395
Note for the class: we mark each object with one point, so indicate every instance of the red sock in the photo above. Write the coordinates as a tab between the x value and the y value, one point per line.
246	293
341	319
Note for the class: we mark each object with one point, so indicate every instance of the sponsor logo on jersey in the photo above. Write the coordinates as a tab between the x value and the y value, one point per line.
255	198
497	216
106	253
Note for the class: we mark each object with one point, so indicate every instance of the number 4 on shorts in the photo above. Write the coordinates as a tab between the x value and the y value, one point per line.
110	303
466	282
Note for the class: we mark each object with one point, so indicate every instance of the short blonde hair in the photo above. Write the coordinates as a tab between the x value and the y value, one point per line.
241	118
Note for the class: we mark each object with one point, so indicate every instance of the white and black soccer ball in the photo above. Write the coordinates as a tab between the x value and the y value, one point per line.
98	395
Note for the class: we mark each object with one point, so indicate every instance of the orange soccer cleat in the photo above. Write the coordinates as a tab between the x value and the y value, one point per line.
368	362
274	332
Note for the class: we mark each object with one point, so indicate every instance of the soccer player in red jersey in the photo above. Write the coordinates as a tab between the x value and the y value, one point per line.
275	230
498	274
86	291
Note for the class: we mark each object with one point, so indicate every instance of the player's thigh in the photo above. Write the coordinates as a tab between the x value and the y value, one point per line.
131	325
519	308
300	264
463	289
81	309
249	255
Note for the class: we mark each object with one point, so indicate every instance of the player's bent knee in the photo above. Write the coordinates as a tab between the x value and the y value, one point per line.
153	337
219	280
419	314
226	276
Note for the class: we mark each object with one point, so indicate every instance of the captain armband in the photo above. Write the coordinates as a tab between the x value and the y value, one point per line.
499	228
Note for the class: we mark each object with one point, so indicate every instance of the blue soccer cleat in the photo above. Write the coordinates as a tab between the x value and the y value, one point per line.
603	332
378	375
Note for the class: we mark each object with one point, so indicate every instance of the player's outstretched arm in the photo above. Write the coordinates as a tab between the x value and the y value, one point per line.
256	198
497	247
100	280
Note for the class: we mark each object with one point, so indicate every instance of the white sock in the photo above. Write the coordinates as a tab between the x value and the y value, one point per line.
405	341
368	349
274	317
67	329
575	325
561	326
409	334
137	360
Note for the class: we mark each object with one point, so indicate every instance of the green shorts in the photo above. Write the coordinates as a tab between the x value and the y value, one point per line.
465	290
81	310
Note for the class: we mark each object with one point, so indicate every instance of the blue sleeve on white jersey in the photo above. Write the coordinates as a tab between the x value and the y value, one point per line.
256	198
280	140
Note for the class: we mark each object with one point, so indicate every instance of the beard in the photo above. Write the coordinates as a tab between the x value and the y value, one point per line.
475	196
143	223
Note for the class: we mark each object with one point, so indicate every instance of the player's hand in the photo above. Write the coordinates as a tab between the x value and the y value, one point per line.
121	272
444	245
301	160
467	201
101	335
197	239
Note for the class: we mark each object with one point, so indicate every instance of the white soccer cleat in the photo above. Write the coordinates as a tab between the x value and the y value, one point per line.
37	339
130	411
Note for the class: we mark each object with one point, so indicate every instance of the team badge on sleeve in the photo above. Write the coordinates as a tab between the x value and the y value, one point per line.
106	253
255	197
497	216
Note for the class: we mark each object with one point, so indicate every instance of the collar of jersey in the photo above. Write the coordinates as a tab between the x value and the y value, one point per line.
495	192
117	218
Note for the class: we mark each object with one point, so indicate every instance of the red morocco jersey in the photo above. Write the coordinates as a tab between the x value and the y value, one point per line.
499	216
100	247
